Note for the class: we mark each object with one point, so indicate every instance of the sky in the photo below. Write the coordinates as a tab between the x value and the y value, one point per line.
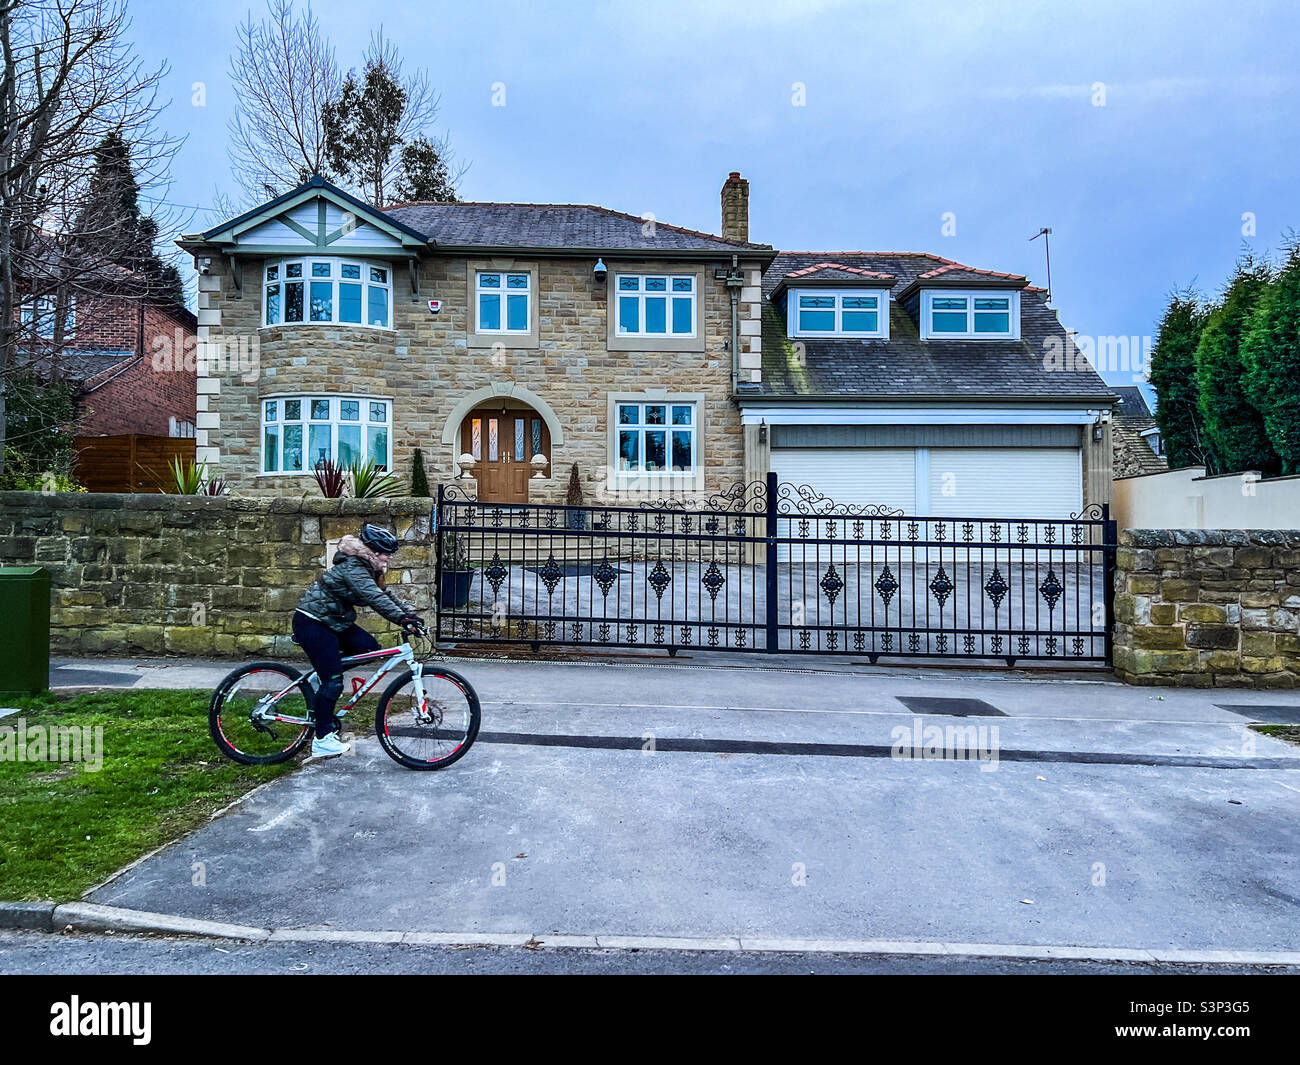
1156	139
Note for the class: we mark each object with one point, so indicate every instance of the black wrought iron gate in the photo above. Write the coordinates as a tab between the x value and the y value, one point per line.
778	568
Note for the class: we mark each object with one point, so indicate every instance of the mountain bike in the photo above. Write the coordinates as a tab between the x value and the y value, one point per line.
428	717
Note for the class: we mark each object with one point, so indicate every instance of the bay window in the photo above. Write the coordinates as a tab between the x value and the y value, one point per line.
326	291
300	431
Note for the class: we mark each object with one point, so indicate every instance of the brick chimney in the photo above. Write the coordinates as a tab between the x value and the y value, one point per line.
735	207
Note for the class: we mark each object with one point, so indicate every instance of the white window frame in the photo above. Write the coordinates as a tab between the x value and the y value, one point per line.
334	421
667	427
503	291
337	262
928	296
618	295
881	331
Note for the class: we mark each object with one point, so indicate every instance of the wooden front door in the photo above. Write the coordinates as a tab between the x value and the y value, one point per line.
503	441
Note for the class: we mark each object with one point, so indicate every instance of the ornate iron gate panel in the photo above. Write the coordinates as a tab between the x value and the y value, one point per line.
777	568
665	575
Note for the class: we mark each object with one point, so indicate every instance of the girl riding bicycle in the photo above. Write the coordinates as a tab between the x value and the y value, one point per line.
324	623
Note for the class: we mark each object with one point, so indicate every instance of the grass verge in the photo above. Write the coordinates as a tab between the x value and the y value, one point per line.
65	826
1290	733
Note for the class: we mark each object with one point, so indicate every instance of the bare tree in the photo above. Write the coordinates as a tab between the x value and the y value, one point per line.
69	81
284	74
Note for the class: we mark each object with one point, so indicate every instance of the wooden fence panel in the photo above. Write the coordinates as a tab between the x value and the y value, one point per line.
130	463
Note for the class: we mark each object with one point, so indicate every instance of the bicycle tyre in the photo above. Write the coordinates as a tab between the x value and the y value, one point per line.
382	724
221	696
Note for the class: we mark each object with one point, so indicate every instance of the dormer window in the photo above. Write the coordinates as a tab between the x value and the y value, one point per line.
951	315
851	312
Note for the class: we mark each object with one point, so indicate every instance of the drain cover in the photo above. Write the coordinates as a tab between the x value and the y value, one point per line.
950	707
1264	713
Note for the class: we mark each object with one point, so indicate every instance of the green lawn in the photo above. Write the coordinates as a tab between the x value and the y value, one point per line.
64	828
1290	733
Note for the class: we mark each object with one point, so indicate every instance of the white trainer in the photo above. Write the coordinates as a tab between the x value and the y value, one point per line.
329	746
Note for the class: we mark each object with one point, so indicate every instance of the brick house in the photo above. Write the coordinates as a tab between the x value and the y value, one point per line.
511	341
116	342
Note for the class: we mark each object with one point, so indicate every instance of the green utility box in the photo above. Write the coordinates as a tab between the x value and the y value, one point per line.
24	630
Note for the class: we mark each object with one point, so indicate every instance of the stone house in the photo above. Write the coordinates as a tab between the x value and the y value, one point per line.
510	342
1136	436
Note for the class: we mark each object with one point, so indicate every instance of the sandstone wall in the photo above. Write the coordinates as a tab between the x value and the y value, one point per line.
141	574
1208	608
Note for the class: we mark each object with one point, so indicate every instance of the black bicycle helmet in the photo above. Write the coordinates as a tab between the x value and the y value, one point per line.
379	539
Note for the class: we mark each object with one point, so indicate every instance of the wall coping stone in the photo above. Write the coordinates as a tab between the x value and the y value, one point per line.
1209	537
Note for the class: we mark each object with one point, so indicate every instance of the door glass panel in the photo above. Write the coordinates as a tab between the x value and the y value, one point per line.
476	438
537	436
492	440
519	440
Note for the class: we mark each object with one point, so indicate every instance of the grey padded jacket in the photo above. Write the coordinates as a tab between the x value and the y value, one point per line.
351	582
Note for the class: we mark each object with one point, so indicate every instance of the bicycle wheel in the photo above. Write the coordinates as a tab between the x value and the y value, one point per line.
241	715
434	734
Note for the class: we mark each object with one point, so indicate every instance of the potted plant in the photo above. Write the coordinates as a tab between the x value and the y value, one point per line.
575	516
457	575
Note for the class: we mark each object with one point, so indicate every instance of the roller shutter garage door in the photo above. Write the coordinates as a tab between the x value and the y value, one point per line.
1012	482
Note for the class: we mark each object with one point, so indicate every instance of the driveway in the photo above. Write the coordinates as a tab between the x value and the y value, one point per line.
742	799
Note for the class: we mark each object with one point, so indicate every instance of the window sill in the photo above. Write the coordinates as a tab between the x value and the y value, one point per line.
326	325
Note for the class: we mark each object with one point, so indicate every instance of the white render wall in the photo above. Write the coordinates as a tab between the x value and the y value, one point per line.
1188	499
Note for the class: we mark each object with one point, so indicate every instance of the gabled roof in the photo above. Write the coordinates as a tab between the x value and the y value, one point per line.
830	273
958	275
578	228
322	234
1132	404
904	366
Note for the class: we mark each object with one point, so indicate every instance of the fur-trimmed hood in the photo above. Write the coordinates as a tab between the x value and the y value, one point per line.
352	547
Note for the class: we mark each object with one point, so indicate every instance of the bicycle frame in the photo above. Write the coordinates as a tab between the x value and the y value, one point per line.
403	653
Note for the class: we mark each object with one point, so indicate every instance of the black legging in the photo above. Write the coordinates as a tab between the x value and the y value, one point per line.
326	649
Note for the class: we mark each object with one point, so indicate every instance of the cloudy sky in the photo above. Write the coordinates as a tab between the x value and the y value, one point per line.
1141	132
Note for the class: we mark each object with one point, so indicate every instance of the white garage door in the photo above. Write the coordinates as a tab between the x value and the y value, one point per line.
1009	482
1006	482
858	476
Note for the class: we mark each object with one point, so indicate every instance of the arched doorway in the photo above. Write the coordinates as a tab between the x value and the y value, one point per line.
504	434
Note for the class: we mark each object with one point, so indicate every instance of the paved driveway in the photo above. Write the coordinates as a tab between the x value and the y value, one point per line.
674	800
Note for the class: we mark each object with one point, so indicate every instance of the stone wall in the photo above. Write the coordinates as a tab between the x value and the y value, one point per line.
1208	608
155	574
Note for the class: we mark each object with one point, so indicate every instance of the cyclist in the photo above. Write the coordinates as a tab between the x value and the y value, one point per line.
324	623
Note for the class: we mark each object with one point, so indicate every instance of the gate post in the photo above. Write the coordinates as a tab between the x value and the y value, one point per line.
771	640
1111	539
437	559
